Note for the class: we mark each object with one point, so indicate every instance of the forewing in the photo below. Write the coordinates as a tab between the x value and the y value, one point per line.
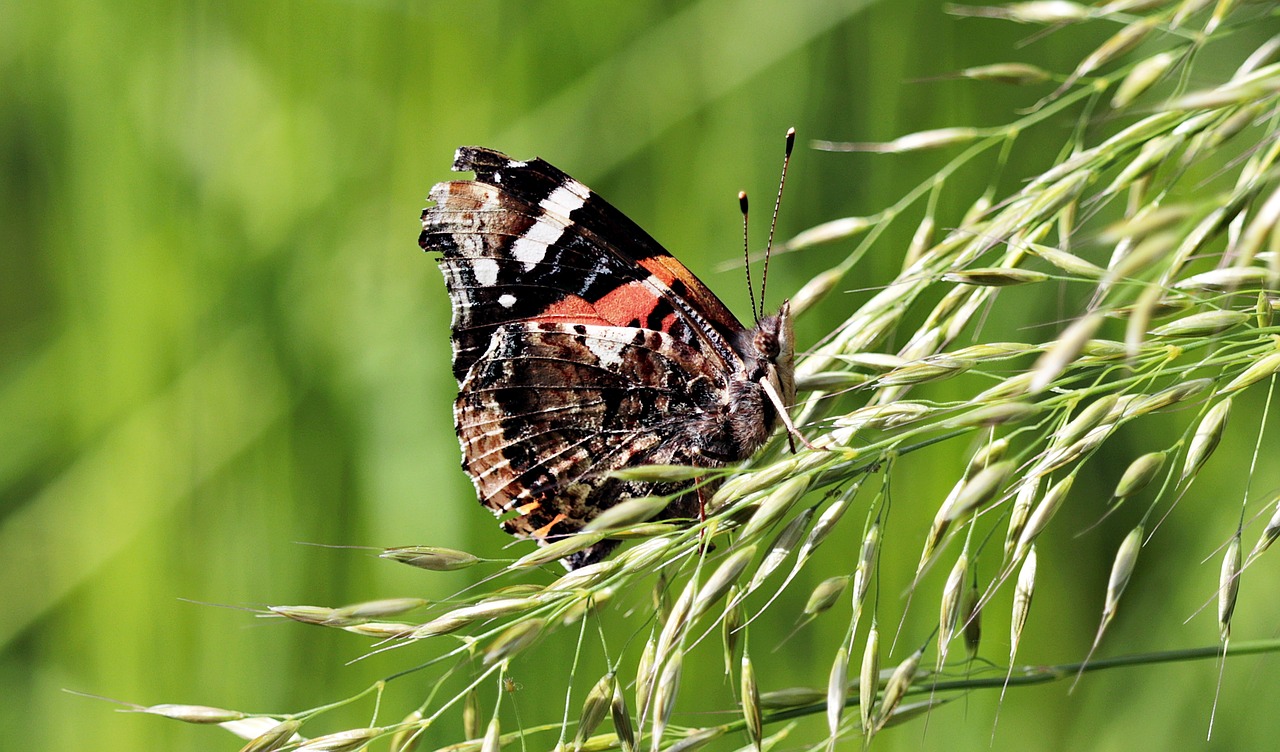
525	242
550	409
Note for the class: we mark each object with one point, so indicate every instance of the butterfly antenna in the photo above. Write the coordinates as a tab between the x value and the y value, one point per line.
746	255
777	204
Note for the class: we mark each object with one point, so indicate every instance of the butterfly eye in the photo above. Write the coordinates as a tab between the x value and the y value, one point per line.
766	342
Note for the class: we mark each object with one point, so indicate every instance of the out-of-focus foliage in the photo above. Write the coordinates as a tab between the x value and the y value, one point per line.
218	339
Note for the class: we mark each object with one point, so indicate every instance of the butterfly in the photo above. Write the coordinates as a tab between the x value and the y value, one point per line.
581	346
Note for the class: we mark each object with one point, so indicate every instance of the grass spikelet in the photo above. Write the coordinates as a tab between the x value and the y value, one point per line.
949	610
513	639
1043	512
192	713
622	720
978	491
837	687
557	550
379	609
1139	474
971	612
825	595
1201	324
781	548
1019	513
1263	310
1121	570
1067	262
1143	76
1007	73
869	680
409	737
729	626
725	576
1265	367
343	741
750	693
1206	438
1064	349
775	506
1269	533
281	734
664	696
827	232
627	513
492	737
1022	594
931	139
994	277
594	709
431	557
645	676
1228	586
896	688
862	574
472	726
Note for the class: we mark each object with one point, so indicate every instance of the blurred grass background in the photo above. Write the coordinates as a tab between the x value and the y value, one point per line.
218	337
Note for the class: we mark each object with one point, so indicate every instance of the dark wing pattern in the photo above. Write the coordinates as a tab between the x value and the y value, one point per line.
580	346
526	242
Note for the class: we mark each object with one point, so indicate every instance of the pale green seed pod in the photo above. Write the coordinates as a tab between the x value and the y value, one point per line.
409	737
1139	474
431	557
1228	587
1206	438
837	687
1022	594
751	703
594	709
1143	76
897	686
280	735
513	639
869	679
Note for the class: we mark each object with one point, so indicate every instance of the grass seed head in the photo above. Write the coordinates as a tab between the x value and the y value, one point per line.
1143	76
775	506
750	693
622	720
1263	368
1063	351
1228	587
825	595
1044	512
869	679
949	611
513	639
281	734
897	687
409	737
594	709
1020	512
1206	438
1008	73
431	557
1269	533
1139	474
1121	570
837	687
492	737
1201	324
725	576
343	741
1022	594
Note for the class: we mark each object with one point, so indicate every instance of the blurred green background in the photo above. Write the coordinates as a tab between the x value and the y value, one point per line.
219	340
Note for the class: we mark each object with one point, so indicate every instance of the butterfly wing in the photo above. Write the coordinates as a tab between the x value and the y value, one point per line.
526	242
580	346
551	409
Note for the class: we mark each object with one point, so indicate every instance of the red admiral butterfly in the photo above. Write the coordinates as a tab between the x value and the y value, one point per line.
581	346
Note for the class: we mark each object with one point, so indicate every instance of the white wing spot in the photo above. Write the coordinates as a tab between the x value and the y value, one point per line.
531	248
506	301
609	351
486	271
566	199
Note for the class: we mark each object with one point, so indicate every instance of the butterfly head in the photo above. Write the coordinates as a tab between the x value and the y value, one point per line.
774	341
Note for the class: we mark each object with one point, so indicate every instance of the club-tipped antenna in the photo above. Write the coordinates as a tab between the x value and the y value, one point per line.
746	255
777	204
